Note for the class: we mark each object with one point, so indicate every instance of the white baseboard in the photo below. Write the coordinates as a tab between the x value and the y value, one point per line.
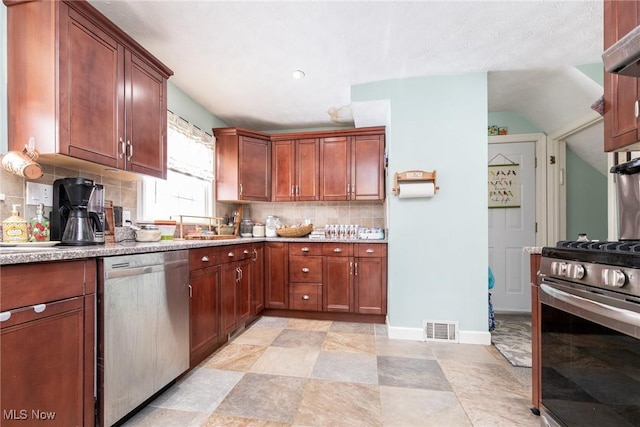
416	334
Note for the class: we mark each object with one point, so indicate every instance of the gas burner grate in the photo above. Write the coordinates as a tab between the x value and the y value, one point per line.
622	246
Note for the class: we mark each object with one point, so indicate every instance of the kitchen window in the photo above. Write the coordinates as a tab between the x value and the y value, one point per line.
188	189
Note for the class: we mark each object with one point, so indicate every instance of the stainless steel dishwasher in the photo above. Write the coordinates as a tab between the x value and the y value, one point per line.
143	329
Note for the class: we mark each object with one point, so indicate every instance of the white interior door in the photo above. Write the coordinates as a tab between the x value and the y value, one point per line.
510	229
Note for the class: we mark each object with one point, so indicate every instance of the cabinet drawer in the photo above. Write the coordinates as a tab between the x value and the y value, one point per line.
305	269
306	296
235	253
31	284
364	250
337	249
305	249
204	257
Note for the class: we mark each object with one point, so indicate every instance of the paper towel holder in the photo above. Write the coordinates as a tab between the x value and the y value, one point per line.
413	176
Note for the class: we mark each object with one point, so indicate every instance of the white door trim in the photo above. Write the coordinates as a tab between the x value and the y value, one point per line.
540	140
556	176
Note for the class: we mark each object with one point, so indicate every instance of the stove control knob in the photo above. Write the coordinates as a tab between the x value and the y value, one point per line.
558	268
612	277
574	271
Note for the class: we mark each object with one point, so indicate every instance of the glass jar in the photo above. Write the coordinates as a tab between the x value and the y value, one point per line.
272	223
246	228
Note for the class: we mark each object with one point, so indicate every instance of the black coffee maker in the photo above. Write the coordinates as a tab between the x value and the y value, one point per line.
71	222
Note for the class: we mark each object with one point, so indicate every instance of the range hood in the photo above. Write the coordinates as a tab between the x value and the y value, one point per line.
623	57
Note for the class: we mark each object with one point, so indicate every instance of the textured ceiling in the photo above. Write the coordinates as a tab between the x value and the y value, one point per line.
235	57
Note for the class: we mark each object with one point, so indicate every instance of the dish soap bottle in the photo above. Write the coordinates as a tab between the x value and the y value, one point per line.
39	226
14	228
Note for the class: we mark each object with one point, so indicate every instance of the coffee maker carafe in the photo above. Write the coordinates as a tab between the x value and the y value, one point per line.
71	222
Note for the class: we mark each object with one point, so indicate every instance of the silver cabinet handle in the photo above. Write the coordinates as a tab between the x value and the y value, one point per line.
241	273
350	268
39	308
255	255
230	254
241	189
370	251
337	250
130	145
305	270
297	190
293	190
237	274
348	189
353	189
247	251
190	292
637	109
306	297
4	316
205	259
123	148
356	268
305	249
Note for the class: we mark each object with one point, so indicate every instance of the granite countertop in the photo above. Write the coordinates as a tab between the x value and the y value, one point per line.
21	255
532	249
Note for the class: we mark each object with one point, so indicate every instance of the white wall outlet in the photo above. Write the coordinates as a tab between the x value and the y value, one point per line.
39	193
126	217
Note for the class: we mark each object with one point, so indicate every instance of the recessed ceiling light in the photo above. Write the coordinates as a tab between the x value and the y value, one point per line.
297	74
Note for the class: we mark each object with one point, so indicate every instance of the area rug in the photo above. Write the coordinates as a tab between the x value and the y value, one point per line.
512	338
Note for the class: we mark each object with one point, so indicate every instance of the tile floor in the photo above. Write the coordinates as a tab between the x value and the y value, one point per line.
293	372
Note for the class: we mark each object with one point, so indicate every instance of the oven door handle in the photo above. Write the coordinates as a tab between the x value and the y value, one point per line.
604	310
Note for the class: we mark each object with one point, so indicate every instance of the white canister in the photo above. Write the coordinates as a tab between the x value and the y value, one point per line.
258	230
271	226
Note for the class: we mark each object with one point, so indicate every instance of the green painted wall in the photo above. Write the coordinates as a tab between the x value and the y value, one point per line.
594	71
514	122
586	199
438	247
184	106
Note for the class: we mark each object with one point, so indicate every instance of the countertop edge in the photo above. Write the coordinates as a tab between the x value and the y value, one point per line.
10	255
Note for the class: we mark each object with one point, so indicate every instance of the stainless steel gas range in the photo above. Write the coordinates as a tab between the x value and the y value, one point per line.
590	334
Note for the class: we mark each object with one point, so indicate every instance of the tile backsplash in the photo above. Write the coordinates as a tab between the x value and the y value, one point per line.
124	193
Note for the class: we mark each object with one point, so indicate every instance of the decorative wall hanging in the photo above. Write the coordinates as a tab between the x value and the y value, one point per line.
504	184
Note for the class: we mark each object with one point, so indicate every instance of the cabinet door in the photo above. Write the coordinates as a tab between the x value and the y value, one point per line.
371	285
146	118
228	297
620	92
204	313
43	364
276	277
92	108
255	170
335	168
257	280
337	294
367	167
283	185
243	293
307	170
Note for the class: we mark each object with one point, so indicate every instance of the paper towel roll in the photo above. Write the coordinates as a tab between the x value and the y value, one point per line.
416	189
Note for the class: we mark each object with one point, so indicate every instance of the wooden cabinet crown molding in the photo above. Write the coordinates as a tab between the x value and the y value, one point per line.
376	130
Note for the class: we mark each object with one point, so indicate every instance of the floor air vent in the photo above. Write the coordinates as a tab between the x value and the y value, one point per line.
441	331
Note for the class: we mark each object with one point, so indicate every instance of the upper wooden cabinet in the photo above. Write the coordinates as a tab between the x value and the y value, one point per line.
339	165
243	165
352	167
83	88
621	93
295	169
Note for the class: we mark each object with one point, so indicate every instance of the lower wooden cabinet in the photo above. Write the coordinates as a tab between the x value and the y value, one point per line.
370	278
257	280
276	288
47	316
204	316
235	302
338	277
